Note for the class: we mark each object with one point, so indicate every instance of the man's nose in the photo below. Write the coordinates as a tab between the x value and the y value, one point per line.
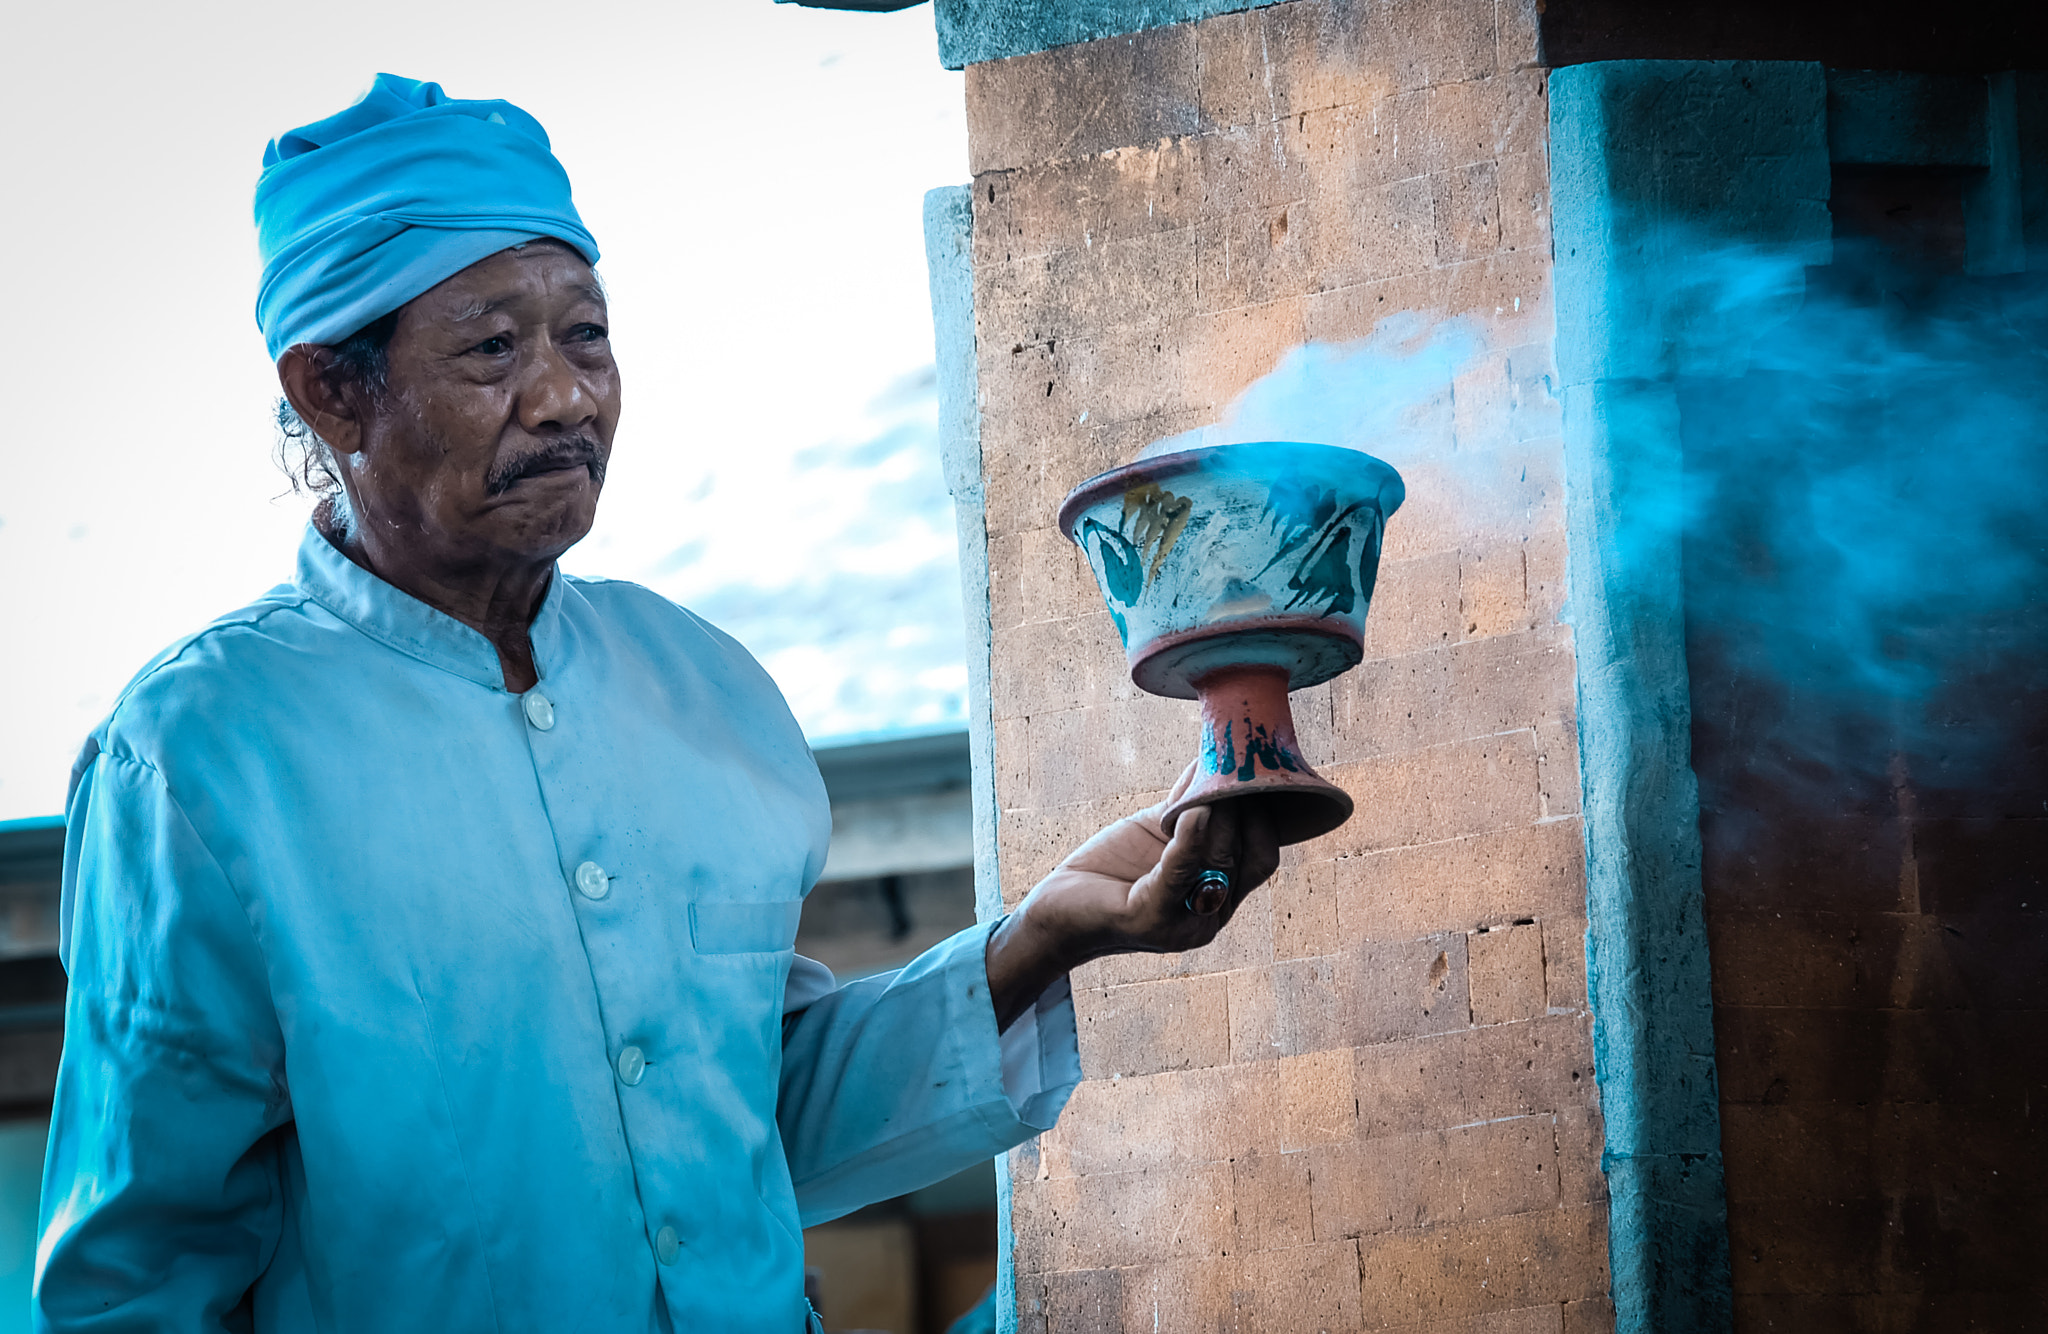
554	397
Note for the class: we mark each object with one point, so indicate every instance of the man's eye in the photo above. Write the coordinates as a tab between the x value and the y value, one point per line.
590	333
494	347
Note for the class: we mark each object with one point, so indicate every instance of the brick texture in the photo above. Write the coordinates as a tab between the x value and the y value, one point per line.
1370	1104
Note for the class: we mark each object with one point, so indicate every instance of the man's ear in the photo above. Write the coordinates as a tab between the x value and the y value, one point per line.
333	415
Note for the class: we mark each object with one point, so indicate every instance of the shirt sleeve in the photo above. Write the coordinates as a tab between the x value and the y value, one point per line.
161	1191
893	1082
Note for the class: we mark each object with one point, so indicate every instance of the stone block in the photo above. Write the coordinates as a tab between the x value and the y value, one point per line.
1483	120
1145	1027
1595	1315
1233	73
1507	973
1466	207
1305	1289
1383	230
1291	1008
1317	1103
1518	43
1256	1031
1138	746
1120	1219
1276	63
1077	1301
1348	148
1493	589
1891	1150
1119	195
1422	43
1557	767
1012	762
1247	259
1522	1320
1304	914
1052	666
1469	1269
1546	1319
1564	961
1223	352
1347	311
1393	990
1272	1195
1528	871
1092	289
1131	375
1478	1074
1989	866
1205	1294
1523	180
1581	1139
1485	407
1253	170
1414	607
1436	1177
1445	792
1459	692
1036	574
1178	1116
1074	101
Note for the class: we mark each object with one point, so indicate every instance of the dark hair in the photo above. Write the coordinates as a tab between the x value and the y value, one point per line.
361	361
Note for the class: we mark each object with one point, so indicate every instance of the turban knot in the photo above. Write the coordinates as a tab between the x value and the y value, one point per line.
361	212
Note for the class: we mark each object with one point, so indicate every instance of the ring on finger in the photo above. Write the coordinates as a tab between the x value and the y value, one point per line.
1206	881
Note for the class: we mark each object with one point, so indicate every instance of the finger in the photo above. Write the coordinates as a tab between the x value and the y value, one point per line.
1258	850
1218	843
1258	845
1181	863
1184	782
1123	850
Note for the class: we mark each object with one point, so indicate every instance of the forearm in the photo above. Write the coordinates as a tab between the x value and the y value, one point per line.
892	1082
1027	954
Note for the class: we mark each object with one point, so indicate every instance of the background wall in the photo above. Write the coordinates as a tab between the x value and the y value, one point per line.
1371	1103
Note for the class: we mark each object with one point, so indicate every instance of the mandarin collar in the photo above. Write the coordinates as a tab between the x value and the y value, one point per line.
401	621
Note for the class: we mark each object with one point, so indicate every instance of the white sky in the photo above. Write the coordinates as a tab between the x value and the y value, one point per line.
753	172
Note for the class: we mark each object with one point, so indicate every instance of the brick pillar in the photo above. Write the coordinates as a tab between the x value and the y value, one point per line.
1371	1103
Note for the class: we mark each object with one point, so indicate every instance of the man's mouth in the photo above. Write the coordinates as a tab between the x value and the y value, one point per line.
565	455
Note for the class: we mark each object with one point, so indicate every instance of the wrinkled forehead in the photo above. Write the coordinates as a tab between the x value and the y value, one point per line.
538	280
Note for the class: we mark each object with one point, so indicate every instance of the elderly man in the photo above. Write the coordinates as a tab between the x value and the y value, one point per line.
430	920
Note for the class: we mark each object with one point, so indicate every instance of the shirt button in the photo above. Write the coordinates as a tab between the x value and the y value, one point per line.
592	882
540	710
632	1065
667	1245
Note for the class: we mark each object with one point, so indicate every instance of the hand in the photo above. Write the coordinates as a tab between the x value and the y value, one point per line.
1131	889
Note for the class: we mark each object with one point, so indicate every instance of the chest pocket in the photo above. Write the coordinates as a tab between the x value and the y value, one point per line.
744	928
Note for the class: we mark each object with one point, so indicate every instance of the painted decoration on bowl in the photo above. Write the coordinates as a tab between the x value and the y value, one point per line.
1275	544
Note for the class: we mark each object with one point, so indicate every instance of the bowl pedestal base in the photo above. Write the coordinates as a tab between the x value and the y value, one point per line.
1249	753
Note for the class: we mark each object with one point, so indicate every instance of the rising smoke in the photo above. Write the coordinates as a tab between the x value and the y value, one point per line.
1864	498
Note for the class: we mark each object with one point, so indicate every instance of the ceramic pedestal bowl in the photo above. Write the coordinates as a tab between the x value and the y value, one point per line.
1235	574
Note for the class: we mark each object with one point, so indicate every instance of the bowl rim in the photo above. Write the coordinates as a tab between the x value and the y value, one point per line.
1207	458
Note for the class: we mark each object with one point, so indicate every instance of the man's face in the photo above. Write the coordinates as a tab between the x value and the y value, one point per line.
492	440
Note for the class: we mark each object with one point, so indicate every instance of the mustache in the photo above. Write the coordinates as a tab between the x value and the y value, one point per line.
567	452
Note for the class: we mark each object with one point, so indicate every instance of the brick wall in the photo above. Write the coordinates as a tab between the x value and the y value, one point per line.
1371	1103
